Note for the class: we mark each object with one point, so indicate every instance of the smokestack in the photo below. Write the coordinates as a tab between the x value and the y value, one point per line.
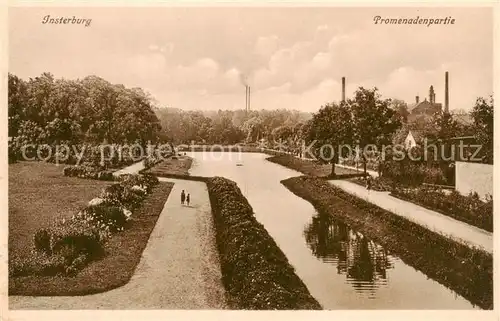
446	93
248	98
343	88
417	99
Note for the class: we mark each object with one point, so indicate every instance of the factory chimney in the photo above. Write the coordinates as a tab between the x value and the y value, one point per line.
248	108
343	88
246	98
446	93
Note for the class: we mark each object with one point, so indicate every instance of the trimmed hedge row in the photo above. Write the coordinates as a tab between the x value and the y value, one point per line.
469	209
467	271
255	272
68	245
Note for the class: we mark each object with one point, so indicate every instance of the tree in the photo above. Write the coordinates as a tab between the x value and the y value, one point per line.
400	110
374	122
445	126
331	127
482	114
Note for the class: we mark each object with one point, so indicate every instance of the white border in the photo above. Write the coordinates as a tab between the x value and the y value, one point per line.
97	315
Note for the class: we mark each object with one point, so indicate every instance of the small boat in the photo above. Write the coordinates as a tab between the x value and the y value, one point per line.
239	164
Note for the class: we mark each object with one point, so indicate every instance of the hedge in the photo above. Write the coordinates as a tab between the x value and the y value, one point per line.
465	270
255	272
469	209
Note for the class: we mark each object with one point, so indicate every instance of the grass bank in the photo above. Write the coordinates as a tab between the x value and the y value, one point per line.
469	272
123	253
255	272
312	168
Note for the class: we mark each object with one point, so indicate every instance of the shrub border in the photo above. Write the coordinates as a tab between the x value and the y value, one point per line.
403	197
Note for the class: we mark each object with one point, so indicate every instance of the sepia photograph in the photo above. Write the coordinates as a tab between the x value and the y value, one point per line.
250	158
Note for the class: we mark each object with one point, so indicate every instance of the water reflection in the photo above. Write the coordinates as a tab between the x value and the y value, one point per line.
364	262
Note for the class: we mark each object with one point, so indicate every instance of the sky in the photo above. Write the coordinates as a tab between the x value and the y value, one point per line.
197	58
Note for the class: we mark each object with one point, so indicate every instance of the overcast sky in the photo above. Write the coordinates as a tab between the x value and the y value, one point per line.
192	58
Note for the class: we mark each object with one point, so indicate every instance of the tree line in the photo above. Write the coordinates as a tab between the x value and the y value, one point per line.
45	110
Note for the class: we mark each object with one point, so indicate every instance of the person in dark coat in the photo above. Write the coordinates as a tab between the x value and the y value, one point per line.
183	197
369	182
188	199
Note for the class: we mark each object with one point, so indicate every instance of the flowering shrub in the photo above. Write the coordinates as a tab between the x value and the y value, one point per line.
151	160
69	244
255	271
470	209
86	171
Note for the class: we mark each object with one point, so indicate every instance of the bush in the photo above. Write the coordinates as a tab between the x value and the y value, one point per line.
106	216
255	271
73	238
42	241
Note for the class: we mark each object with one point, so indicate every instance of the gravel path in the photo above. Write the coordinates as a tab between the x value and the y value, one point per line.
179	268
457	230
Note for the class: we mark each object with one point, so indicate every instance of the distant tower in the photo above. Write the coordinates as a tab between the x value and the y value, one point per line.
432	95
343	88
446	93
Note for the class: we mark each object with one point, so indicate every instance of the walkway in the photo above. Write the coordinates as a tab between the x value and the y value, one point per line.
179	268
457	230
132	169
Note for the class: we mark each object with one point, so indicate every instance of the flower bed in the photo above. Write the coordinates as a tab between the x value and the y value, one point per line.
469	209
69	245
379	184
255	272
467	271
91	172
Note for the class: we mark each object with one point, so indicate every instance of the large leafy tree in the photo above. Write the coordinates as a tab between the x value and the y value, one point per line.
330	128
374	121
46	110
482	114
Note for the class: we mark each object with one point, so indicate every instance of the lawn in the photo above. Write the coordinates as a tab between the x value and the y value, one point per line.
310	167
38	192
123	253
176	165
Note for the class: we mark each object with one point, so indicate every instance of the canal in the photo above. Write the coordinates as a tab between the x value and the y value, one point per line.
342	268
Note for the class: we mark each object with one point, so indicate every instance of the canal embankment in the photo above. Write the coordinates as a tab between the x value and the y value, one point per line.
465	270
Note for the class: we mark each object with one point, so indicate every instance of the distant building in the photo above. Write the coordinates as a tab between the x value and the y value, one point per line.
414	138
424	109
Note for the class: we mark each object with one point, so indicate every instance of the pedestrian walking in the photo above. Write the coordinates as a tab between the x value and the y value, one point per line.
188	199
183	197
369	182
